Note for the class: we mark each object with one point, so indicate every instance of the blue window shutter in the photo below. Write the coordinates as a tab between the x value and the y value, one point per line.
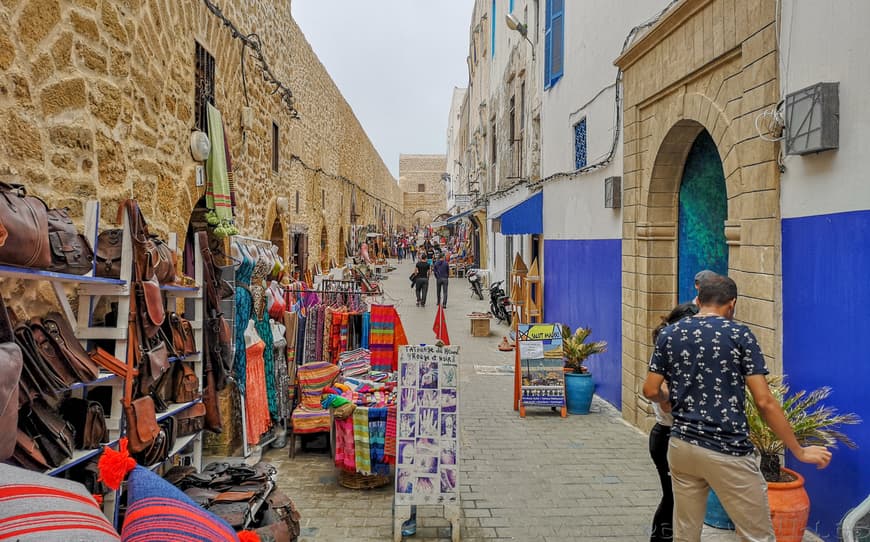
557	27
511	7
492	33
548	43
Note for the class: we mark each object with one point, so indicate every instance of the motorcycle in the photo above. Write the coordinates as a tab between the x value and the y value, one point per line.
499	303
474	280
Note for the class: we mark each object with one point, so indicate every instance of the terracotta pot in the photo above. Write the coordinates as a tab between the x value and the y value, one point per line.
789	508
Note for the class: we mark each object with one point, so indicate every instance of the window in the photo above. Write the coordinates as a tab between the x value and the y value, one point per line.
580	144
274	147
492	142
421	187
492	30
554	42
522	108
204	86
297	201
512	119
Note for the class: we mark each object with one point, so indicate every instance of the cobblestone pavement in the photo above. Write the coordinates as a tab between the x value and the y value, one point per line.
542	478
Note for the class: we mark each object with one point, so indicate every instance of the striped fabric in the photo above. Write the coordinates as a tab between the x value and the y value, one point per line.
157	511
305	420
217	194
313	378
390	438
39	508
362	451
382	336
364	342
344	449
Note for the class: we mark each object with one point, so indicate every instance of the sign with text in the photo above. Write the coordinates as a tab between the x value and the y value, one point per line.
542	377
427	432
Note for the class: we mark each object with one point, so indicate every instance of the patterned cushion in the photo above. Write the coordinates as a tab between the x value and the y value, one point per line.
313	378
38	508
310	421
157	511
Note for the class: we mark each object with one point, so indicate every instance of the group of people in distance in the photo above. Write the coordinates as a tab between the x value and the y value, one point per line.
432	261
702	364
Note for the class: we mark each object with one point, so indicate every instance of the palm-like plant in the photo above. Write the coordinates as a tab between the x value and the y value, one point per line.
576	350
812	423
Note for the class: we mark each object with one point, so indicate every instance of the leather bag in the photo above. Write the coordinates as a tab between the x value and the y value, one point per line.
70	251
68	347
54	435
141	415
185	384
88	420
24	239
166	262
11	364
50	355
156	363
110	363
183	339
191	420
38	377
108	254
151	310
213	421
27	453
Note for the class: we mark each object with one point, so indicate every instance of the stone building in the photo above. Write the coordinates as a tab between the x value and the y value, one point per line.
422	179
98	99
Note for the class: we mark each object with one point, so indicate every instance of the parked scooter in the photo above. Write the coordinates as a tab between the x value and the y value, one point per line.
474	279
499	303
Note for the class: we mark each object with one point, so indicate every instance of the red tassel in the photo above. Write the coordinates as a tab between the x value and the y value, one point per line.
115	465
249	536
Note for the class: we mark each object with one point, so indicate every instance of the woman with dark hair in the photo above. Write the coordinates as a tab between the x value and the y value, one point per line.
662	527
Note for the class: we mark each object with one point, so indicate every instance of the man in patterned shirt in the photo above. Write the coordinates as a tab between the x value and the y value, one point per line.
708	360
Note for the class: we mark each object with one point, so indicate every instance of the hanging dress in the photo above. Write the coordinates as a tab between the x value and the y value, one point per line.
243	314
256	403
258	296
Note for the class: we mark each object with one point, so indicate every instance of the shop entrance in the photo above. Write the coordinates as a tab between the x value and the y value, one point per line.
703	209
277	237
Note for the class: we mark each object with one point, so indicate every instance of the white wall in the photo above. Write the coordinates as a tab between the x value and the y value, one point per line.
821	43
454	153
594	34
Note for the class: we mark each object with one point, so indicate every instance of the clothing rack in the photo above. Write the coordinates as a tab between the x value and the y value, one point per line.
253	240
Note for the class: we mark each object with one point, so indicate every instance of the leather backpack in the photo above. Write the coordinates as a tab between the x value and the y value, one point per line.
70	251
108	254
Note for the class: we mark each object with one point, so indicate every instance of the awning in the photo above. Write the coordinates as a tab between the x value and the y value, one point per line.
525	217
460	216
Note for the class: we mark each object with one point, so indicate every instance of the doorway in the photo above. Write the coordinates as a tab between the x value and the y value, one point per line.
703	209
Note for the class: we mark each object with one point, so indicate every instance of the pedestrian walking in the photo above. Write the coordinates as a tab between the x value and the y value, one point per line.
442	279
708	360
659	436
421	280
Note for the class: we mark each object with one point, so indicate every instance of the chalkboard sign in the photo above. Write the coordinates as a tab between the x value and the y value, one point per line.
427	459
540	366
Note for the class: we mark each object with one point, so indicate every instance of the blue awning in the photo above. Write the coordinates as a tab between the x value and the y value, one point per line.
524	218
460	216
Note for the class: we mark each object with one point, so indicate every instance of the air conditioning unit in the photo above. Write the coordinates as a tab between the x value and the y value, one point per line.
613	192
812	119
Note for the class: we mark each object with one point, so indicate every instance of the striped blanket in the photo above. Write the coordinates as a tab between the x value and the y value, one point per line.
362	450
382	337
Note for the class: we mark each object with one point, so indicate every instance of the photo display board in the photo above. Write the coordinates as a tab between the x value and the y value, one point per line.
540	352
427	455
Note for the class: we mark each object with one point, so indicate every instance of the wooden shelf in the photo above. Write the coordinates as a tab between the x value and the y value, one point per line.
80	456
40	274
175	408
180	291
102	379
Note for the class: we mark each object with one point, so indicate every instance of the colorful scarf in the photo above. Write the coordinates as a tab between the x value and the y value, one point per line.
390	436
217	195
377	436
364	341
345	453
382	336
327	333
342	346
362	451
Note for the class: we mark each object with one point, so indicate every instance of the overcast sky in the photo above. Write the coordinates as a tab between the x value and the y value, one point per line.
396	62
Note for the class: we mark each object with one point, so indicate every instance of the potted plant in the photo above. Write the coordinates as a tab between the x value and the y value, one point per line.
813	424
578	382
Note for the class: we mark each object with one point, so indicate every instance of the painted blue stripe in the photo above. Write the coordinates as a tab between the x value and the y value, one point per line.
583	287
826	292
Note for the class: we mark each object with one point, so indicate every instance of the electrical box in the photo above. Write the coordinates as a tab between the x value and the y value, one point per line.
247	118
613	192
200	176
812	119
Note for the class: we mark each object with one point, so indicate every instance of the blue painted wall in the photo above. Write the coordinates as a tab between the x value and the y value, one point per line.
583	286
826	295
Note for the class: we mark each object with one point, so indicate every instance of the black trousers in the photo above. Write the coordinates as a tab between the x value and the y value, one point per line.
441	284
662	527
422	290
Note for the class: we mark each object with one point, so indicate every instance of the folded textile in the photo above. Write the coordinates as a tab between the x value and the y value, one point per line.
344	445
362	451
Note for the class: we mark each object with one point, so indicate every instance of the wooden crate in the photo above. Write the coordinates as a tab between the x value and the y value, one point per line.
479	327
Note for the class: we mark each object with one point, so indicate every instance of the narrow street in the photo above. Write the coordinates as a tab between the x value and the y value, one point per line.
581	478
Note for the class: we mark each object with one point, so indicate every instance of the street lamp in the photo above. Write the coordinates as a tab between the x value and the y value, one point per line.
514	24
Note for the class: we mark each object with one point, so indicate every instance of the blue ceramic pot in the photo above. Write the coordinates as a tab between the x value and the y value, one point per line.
716	515
578	391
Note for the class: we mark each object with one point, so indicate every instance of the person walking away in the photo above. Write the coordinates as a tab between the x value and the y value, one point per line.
442	279
708	360
421	280
659	436
699	276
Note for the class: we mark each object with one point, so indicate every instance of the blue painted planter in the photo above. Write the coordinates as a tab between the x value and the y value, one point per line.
716	515
578	392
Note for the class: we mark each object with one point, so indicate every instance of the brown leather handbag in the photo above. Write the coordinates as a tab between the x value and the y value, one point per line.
183	340
166	263
185	385
54	435
24	234
141	415
108	253
11	363
70	251
191	420
68	346
27	453
88	420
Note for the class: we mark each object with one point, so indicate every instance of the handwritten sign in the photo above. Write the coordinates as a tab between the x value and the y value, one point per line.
427	462
542	377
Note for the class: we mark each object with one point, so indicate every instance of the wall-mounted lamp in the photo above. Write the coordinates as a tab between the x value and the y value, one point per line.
514	24
200	146
282	204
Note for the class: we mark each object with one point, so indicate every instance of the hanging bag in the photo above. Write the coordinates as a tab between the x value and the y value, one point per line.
11	363
108	253
70	251
23	228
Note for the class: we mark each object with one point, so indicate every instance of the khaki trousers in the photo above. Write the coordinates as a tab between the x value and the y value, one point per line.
737	482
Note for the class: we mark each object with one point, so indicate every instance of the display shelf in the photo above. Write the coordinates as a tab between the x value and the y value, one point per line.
188	357
102	379
180	444
10	271
79	456
180	291
175	408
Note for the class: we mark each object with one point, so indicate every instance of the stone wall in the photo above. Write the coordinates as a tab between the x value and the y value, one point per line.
708	64
97	101
427	170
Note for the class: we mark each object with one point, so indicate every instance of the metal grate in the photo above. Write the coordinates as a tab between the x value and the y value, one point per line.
613	192
580	144
204	86
812	119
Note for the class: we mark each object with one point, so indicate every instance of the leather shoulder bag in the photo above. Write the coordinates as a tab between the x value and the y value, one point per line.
11	363
23	228
167	260
68	346
108	253
141	415
70	250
